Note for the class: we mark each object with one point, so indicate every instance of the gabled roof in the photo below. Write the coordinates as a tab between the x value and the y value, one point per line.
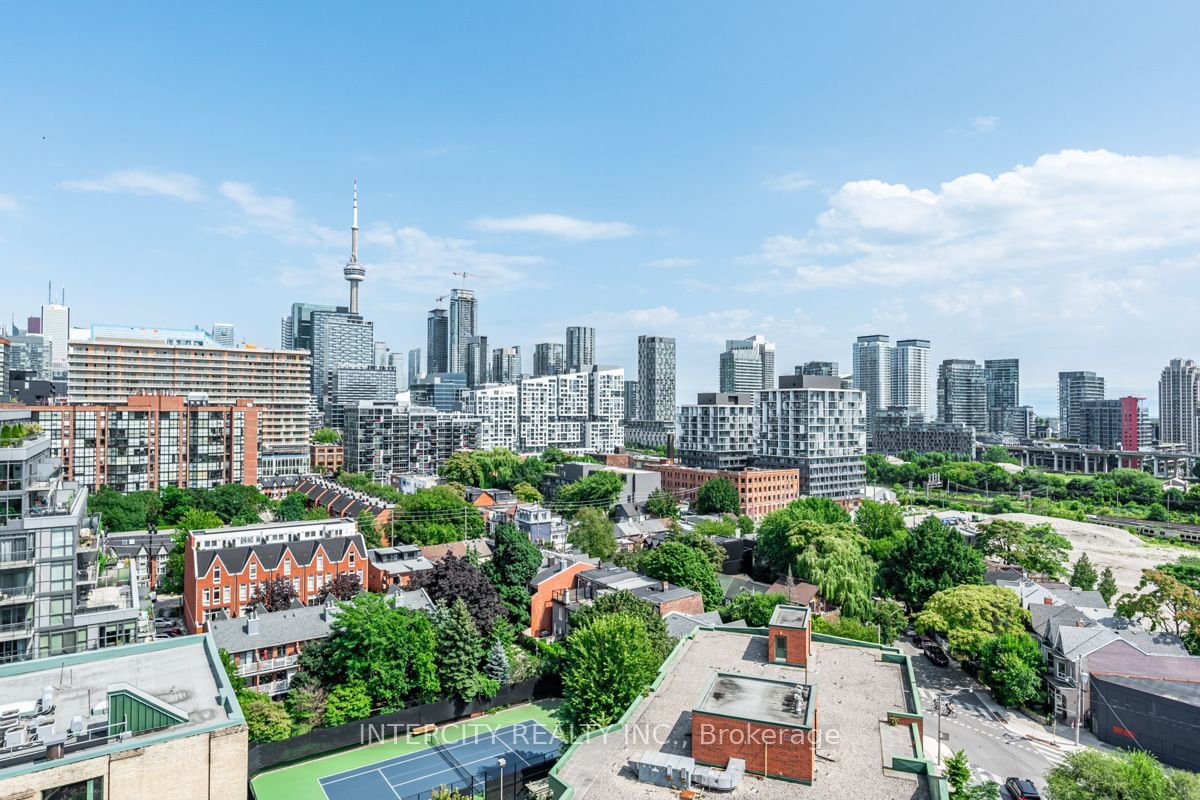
436	552
303	624
680	624
1046	619
270	555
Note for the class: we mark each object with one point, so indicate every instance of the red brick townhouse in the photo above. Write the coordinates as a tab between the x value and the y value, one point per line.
221	582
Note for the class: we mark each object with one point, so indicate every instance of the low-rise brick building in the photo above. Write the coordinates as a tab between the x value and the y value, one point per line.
327	458
760	491
225	568
558	574
590	585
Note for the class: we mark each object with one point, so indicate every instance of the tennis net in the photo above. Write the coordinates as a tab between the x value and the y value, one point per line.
463	775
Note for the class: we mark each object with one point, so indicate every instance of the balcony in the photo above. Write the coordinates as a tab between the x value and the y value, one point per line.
16	594
16	630
17	558
272	688
267	665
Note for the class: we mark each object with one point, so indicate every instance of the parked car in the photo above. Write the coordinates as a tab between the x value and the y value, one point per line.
1022	789
163	622
937	655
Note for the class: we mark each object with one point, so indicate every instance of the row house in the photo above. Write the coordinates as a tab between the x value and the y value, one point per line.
395	566
222	582
265	647
344	502
147	550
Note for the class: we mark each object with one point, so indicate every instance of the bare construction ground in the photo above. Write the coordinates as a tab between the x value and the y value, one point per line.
1106	547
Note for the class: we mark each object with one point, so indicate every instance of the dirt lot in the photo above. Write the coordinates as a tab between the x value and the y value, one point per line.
1106	547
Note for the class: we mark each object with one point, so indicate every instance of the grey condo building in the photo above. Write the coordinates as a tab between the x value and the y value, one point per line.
351	383
717	431
296	332
477	368
632	393
437	333
873	374
580	349
1179	404
548	359
962	394
825	368
810	422
1002	377
1073	389
339	338
506	365
747	365
461	327
656	378
414	366
384	437
910	376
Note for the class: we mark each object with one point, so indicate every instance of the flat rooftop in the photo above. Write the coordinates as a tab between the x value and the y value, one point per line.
789	616
758	699
183	675
855	691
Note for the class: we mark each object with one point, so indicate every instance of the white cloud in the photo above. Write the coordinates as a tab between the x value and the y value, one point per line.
9	204
1069	212
276	216
178	185
412	258
556	225
984	124
670	263
789	182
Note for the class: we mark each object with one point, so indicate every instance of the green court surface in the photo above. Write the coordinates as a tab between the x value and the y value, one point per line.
299	781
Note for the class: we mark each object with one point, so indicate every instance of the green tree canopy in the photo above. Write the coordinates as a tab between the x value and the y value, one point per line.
931	558
755	608
496	666
462	468
1012	666
609	663
460	649
624	601
347	702
998	454
515	560
266	719
1090	774
1108	585
369	529
1186	570
292	507
435	516
463	578
662	504
592	532
832	555
527	493
717	496
697	539
599	490
1083	574
968	615
879	520
1037	548
958	771
776	549
391	651
684	566
1166	603
326	436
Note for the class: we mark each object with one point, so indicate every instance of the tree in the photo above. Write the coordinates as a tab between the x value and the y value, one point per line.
326	436
832	555
968	615
1012	666
776	548
624	601
527	493
662	504
958	771
890	617
931	558
609	663
496	667
1108	585
454	577
306	703
1037	548
515	560
1186	570
391	651
1165	602
347	702
231	670
275	594
997	454
598	490
988	790
845	628
1083	574
459	649
879	520
745	525
460	467
1090	774
292	507
592	532
266	719
717	496
445	793
435	516
697	539
344	586
369	529
755	608
684	566
192	520
1157	512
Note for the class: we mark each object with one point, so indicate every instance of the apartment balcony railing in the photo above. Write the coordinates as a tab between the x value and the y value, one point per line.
15	594
272	688
16	629
16	558
267	665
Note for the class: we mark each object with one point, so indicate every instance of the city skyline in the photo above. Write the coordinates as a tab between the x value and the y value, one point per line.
556	209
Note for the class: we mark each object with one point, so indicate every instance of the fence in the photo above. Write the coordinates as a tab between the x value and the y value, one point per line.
499	783
355	734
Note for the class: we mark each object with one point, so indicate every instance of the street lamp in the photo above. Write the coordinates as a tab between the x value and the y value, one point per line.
500	762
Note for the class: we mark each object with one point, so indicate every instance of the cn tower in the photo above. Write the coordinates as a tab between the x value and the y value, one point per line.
354	271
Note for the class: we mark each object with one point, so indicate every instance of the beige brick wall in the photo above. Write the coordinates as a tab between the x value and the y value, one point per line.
203	767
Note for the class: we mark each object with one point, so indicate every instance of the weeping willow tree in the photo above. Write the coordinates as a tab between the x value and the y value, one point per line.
834	557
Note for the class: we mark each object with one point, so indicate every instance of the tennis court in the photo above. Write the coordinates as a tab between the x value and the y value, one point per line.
467	764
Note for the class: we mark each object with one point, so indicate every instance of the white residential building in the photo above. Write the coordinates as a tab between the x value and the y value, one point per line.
1179	404
910	376
496	408
873	374
717	431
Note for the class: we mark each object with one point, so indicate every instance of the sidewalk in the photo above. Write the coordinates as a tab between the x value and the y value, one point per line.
1017	723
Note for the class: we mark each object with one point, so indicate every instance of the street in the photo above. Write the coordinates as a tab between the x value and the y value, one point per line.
995	751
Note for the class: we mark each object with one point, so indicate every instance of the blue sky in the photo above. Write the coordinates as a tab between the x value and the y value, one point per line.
1005	180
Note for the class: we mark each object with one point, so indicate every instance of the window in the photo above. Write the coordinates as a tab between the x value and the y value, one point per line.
225	597
206	598
253	570
320	562
242	593
781	648
91	789
216	573
351	558
287	566
312	583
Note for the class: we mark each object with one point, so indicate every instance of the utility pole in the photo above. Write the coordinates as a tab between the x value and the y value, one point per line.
1078	699
938	708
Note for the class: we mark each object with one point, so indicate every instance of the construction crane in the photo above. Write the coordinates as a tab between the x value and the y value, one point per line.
465	275
438	301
